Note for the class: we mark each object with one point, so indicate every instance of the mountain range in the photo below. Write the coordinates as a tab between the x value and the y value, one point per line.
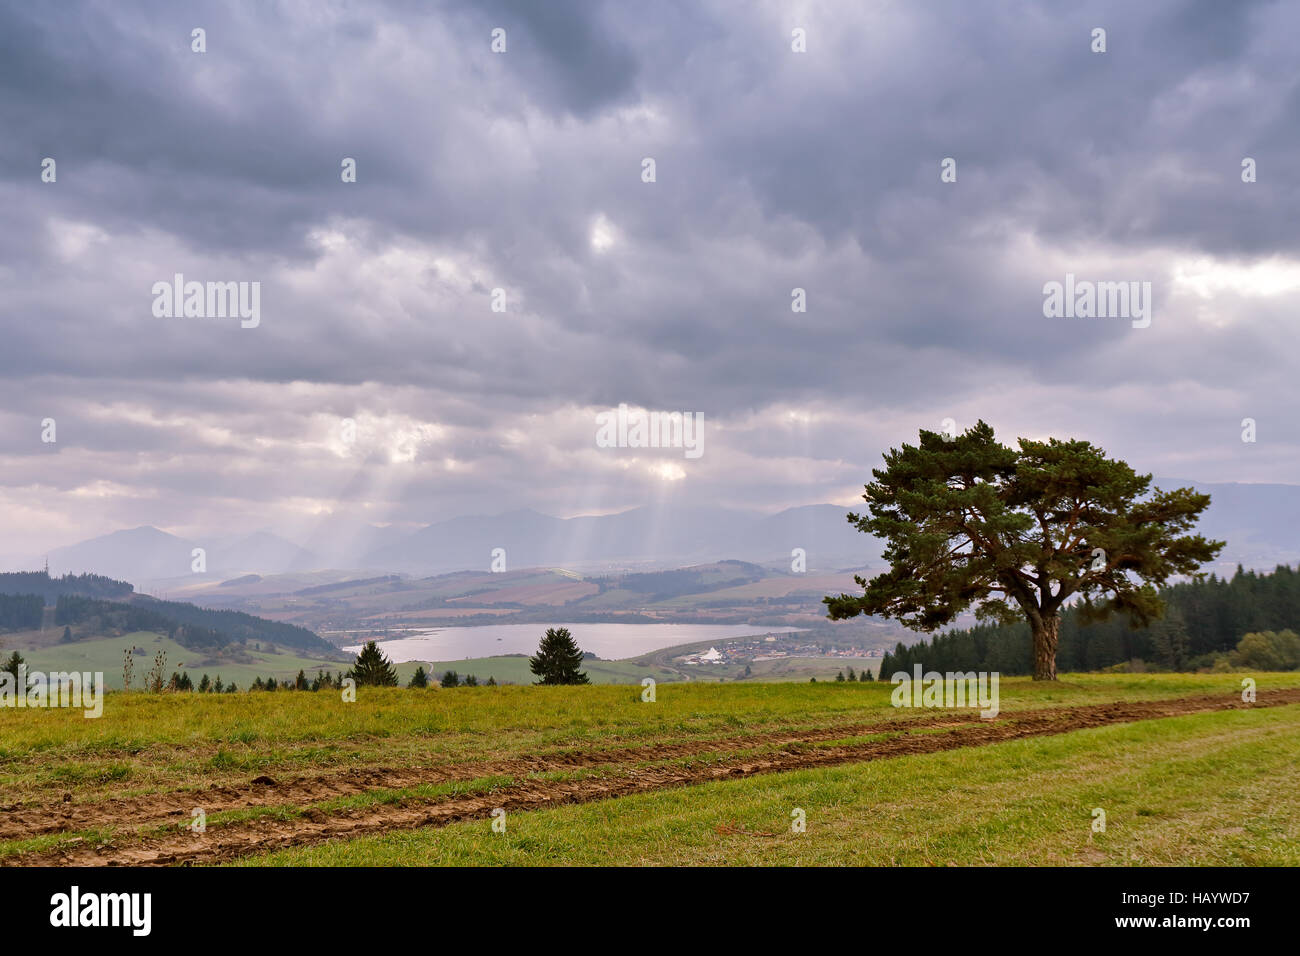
1260	522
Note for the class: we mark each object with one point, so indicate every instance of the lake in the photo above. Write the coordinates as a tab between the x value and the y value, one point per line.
607	641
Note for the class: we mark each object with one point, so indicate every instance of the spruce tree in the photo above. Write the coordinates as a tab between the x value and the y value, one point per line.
372	668
419	678
1169	638
11	666
450	679
558	659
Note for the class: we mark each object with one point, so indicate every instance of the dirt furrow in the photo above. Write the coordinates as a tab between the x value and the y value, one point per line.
57	816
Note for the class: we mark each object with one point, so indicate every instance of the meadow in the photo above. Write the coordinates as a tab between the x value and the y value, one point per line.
104	655
1208	789
706	773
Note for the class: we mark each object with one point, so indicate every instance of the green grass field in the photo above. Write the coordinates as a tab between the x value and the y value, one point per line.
1209	789
655	782
105	655
513	669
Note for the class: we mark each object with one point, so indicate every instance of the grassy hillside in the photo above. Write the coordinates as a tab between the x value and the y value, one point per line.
706	773
513	669
1207	789
105	654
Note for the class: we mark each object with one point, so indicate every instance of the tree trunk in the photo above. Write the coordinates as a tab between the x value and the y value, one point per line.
1047	633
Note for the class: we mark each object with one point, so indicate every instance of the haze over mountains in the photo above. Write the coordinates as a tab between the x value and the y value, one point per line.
147	554
1260	522
638	537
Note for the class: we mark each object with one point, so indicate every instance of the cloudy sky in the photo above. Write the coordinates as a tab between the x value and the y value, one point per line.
523	171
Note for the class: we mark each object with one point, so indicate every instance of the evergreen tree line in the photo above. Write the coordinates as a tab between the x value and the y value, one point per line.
73	609
51	589
21	612
327	680
182	682
452	679
322	681
864	677
1203	624
239	627
191	626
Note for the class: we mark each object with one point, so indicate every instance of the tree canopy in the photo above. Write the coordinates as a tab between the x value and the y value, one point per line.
968	521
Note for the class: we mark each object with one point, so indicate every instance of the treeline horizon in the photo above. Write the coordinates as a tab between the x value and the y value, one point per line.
50	588
188	624
1203	621
78	599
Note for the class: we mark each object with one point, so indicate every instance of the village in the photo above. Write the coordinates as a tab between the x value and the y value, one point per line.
770	647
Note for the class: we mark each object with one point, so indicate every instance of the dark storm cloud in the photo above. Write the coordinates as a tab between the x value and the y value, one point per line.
522	171
570	56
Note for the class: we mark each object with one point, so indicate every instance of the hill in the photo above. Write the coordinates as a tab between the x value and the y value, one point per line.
51	588
189	625
97	605
148	554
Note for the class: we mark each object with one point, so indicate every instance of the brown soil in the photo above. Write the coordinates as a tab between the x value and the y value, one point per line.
616	772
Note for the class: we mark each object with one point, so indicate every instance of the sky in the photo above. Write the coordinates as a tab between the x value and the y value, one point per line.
795	146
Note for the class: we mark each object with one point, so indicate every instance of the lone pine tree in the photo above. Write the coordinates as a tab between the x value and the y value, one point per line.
558	659
373	668
968	521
